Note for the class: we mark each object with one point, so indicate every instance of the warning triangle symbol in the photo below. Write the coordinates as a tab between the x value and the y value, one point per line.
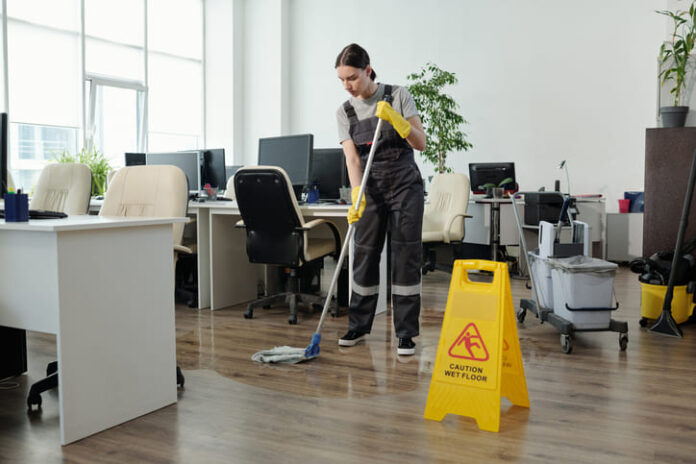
469	345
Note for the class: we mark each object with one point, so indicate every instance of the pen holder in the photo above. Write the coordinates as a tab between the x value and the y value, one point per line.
16	207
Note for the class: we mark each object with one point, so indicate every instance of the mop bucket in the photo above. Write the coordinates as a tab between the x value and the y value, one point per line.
583	289
541	279
652	298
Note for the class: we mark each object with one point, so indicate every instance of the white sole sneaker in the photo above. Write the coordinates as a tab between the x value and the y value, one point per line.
406	351
342	342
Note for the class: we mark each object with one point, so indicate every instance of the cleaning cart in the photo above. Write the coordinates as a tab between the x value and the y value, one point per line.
571	291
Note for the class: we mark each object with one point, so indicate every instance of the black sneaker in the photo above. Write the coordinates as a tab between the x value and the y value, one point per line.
350	338
406	347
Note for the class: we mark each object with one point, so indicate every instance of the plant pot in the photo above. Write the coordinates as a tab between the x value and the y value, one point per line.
673	116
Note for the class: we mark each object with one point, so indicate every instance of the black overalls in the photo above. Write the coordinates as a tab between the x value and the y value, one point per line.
394	202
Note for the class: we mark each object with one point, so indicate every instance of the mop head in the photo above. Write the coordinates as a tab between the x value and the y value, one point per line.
288	354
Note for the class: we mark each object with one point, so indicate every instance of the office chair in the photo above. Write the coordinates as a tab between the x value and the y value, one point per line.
63	187
154	191
444	213
229	188
278	235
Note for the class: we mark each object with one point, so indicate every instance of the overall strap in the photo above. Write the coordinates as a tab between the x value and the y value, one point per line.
350	112
388	94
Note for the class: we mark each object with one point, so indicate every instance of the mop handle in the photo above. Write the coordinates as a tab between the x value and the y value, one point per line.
351	230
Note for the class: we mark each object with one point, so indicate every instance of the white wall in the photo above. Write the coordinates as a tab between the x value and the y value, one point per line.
540	80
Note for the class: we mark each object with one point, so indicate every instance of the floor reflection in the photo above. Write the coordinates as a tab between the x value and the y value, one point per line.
223	341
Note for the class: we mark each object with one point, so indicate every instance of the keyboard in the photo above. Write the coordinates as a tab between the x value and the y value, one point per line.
41	214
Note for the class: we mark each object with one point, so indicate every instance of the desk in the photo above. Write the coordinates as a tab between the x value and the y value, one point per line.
494	221
481	229
105	287
225	276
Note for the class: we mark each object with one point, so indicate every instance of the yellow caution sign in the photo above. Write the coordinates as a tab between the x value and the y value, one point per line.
478	359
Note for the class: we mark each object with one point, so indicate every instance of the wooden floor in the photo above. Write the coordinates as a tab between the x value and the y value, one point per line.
365	405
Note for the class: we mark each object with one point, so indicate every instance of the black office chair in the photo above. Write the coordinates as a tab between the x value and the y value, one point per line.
277	234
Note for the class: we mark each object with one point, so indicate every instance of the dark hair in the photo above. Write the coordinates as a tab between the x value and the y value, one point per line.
356	56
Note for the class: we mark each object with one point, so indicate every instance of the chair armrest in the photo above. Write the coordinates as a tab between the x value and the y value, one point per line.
316	222
446	231
182	249
240	224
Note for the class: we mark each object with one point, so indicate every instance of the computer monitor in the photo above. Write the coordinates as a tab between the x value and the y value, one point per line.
135	159
213	168
186	160
231	170
293	153
329	172
3	154
482	175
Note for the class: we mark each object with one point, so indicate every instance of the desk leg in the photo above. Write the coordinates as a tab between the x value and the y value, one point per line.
116	339
495	230
203	252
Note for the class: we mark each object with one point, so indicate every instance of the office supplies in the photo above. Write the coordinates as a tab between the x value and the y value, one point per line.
293	153
492	174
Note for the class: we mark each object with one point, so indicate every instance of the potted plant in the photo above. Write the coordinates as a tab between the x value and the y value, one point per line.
438	114
96	162
674	63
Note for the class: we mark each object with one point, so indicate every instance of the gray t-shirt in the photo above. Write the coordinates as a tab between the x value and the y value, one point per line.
403	103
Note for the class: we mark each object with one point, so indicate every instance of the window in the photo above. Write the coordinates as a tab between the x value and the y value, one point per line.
126	78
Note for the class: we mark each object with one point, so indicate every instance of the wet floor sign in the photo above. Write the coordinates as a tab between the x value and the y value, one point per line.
478	358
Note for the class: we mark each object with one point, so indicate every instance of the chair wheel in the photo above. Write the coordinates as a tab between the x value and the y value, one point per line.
520	315
643	322
292	320
34	400
179	377
248	314
566	343
623	341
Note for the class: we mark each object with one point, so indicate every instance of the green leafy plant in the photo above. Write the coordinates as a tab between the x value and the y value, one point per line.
502	183
674	55
97	164
438	112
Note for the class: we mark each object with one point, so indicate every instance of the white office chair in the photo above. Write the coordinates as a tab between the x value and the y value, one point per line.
63	187
444	214
110	176
229	189
156	190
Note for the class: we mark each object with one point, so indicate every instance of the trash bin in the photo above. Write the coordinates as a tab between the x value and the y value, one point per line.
542	290
583	289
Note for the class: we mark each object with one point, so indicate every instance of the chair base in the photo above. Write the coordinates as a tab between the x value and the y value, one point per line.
51	381
292	299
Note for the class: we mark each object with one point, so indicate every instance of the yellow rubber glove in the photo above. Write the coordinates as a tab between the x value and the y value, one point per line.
389	114
353	213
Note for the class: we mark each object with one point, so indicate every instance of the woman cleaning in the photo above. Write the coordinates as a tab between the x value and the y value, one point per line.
393	200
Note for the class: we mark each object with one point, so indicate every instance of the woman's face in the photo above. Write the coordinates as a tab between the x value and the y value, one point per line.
355	81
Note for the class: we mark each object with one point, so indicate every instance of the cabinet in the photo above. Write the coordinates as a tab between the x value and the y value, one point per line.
624	236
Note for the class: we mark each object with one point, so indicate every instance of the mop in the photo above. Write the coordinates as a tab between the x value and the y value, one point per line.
288	354
666	324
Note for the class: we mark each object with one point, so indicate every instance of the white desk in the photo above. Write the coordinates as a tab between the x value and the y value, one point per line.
225	276
480	229
105	287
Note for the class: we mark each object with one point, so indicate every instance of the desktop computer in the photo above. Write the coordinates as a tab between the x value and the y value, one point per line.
13	352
